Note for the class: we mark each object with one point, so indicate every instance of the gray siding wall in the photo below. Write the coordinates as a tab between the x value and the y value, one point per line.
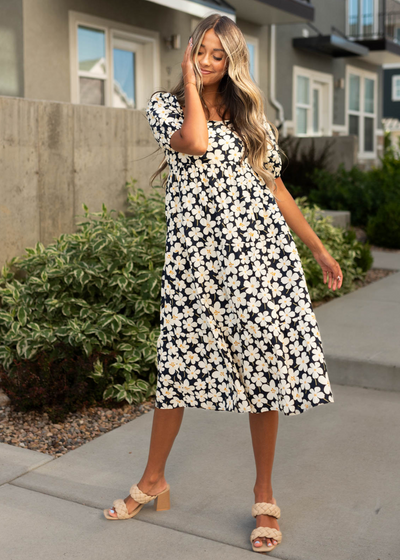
11	48
391	109
46	46
47	57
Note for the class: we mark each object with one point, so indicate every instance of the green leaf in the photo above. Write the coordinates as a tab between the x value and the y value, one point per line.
5	318
108	393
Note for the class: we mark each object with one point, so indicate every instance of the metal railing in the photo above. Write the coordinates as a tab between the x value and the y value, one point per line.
385	25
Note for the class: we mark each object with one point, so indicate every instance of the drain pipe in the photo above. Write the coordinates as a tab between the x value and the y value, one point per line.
272	81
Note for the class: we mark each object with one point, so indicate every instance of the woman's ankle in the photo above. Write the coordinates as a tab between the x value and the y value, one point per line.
263	493
151	479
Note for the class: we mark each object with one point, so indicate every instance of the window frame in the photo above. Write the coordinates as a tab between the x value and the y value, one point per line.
360	19
315	79
362	74
252	40
114	31
395	78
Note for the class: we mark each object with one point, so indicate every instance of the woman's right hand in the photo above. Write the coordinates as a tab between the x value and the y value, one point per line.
187	65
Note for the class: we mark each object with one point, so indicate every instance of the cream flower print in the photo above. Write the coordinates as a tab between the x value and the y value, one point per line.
238	332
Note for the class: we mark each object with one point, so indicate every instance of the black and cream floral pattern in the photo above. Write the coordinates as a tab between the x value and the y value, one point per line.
238	332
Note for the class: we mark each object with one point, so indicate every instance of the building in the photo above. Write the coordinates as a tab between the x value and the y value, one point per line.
332	83
71	74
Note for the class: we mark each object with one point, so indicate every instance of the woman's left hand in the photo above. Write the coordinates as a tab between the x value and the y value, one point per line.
330	268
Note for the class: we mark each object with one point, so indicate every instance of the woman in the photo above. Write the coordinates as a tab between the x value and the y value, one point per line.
238	332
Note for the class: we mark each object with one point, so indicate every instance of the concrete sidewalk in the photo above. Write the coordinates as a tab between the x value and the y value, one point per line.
335	472
386	259
361	332
335	479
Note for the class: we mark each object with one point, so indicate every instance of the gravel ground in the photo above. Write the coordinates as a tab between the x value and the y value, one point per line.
32	430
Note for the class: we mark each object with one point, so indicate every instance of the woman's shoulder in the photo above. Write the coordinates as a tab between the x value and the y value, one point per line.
162	98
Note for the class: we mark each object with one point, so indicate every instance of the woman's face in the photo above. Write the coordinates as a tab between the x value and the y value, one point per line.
211	58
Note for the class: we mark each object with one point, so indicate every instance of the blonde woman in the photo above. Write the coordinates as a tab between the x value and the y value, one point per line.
238	332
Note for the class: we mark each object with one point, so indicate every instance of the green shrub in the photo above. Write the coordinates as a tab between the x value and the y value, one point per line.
97	290
384	228
57	381
371	196
354	258
345	190
300	162
79	319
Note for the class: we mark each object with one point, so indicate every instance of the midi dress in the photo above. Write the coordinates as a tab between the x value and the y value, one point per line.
238	331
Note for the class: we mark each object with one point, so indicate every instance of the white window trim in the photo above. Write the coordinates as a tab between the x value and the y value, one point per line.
395	78
113	30
313	76
256	43
372	76
376	19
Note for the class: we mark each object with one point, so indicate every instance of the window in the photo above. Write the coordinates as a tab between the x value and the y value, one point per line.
252	45
396	88
112	64
361	108
92	65
312	102
362	18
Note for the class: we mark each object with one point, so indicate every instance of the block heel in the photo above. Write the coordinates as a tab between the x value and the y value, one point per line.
162	502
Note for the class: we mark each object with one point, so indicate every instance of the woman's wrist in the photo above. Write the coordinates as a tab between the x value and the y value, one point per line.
193	83
318	248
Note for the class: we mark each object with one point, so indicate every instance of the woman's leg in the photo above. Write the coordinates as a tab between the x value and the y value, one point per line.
166	424
264	429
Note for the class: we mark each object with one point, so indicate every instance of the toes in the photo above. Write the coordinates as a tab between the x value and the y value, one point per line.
257	542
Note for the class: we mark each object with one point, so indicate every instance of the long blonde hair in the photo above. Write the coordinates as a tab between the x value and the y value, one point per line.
241	97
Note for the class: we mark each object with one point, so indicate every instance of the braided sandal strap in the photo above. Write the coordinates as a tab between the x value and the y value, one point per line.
120	509
140	496
265	508
267	532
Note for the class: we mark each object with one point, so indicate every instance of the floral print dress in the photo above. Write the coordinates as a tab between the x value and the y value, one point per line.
238	332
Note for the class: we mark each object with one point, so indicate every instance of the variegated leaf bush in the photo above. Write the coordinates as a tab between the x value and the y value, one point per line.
96	289
99	290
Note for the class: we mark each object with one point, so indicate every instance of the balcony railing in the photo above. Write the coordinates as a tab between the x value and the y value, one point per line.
385	25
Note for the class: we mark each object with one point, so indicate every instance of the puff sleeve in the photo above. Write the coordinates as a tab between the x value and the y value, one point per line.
273	162
165	117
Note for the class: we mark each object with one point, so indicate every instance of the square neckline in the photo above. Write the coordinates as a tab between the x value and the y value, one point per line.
226	120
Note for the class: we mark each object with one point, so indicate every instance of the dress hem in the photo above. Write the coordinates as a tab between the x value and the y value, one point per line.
290	413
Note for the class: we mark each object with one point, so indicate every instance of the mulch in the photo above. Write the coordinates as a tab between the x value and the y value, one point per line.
33	430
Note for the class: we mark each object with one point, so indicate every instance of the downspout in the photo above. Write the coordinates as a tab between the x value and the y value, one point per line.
272	81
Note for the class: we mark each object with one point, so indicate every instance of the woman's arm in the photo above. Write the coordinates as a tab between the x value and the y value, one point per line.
297	222
192	137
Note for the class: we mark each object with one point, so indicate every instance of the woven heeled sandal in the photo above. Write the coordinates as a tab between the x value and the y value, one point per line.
161	503
265	508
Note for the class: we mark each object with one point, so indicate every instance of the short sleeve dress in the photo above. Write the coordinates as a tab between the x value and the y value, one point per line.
238	332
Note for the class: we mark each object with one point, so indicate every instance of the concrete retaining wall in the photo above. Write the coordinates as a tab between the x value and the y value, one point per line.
56	156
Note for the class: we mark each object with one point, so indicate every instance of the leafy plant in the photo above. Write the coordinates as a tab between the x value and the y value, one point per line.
79	319
354	258
371	196
95	290
56	381
384	228
301	162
